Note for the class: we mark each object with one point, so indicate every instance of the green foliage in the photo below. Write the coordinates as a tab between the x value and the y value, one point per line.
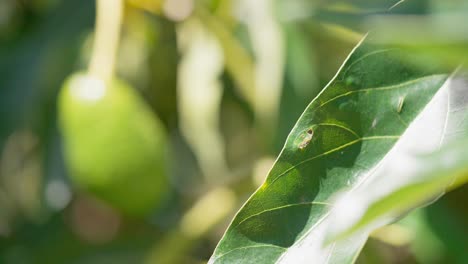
339	142
202	102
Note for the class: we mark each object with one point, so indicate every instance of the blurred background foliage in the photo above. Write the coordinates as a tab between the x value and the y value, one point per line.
228	79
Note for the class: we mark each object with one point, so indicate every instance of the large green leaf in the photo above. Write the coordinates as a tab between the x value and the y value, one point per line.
411	177
339	141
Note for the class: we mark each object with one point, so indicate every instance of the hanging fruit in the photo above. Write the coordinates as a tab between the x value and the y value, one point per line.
115	147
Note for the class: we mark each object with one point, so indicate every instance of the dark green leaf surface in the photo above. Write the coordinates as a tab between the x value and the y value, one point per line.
414	177
338	141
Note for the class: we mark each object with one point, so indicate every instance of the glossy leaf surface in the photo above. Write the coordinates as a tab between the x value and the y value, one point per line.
418	172
338	142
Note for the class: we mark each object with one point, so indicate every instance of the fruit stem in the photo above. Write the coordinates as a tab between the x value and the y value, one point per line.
106	38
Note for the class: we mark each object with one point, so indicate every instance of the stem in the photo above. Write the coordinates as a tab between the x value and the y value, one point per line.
106	38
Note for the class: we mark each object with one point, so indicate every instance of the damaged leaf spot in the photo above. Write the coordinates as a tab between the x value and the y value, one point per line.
308	137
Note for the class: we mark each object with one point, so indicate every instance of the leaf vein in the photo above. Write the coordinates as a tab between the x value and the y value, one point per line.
383	88
332	151
281	207
340	126
246	247
362	58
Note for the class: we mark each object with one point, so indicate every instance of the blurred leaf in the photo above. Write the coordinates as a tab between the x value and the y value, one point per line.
199	93
345	12
437	38
428	28
163	60
301	66
32	69
238	61
429	176
154	6
447	220
200	219
344	134
358	5
425	245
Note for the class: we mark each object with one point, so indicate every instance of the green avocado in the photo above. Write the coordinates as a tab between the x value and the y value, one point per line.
115	147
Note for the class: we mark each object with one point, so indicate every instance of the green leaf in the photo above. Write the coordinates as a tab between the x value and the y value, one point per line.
349	13
412	178
433	31
338	143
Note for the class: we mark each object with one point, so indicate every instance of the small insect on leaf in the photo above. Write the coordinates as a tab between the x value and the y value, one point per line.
401	101
307	139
